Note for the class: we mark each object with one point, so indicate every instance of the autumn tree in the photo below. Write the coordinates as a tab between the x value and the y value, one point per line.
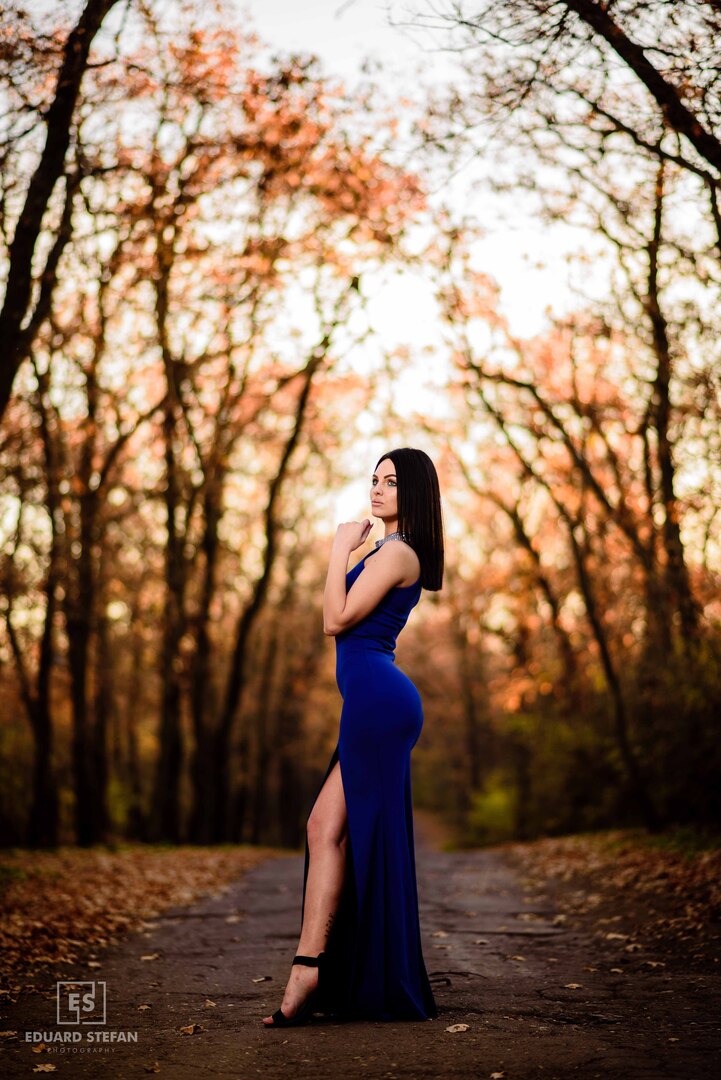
177	365
580	482
42	78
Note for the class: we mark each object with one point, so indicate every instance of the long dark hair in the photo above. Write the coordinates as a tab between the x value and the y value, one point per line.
420	516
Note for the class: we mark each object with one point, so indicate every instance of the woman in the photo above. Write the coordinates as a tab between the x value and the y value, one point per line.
359	954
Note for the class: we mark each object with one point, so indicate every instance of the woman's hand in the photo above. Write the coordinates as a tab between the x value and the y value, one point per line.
351	534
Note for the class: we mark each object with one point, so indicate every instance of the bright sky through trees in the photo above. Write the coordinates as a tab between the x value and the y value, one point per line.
527	258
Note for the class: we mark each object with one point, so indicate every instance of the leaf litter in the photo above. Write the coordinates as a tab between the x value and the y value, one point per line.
64	906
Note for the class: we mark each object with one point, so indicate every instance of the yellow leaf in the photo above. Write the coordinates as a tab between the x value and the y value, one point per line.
458	1027
573	986
143	1006
518	958
192	1029
151	956
44	1068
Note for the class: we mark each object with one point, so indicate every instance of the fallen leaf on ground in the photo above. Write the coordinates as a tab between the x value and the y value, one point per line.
573	986
458	1027
192	1029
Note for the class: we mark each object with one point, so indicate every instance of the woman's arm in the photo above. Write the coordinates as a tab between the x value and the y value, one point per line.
384	570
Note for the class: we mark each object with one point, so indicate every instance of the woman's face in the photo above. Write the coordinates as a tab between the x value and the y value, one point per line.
384	495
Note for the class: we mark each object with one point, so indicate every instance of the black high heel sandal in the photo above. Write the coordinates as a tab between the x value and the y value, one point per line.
304	1013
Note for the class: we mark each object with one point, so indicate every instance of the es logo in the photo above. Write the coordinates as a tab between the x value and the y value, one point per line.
81	1002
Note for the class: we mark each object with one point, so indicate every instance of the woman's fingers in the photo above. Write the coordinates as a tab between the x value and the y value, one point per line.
355	531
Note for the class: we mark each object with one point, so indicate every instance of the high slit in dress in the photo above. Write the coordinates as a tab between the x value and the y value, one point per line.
374	961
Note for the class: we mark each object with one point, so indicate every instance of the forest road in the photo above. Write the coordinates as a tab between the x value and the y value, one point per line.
534	987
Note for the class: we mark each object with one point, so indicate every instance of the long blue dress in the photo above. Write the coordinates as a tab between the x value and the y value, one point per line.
375	967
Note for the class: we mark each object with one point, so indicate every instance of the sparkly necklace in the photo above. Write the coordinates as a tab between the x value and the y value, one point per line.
394	536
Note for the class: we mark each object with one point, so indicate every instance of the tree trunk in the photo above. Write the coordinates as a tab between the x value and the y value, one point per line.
165	812
103	711
637	784
58	123
201	766
221	746
43	825
78	631
676	570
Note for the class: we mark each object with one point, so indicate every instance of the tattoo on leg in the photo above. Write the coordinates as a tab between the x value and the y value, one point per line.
329	922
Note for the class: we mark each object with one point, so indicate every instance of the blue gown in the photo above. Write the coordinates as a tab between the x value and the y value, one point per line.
374	962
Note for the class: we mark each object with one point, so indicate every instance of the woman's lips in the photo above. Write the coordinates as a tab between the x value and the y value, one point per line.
376	504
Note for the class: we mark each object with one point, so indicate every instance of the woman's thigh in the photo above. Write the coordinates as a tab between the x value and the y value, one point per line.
328	821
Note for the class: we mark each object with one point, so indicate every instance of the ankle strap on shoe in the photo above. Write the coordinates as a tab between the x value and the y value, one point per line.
309	961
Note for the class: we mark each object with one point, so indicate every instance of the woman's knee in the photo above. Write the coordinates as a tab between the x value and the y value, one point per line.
322	833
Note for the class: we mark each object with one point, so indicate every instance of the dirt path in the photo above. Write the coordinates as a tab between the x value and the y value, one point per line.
535	987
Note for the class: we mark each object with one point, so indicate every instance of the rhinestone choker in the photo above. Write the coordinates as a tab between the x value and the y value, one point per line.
394	536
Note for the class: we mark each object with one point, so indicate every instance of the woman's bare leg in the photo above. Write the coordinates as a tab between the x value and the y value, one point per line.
327	833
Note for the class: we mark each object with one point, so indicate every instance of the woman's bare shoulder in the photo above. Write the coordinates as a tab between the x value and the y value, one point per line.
403	555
